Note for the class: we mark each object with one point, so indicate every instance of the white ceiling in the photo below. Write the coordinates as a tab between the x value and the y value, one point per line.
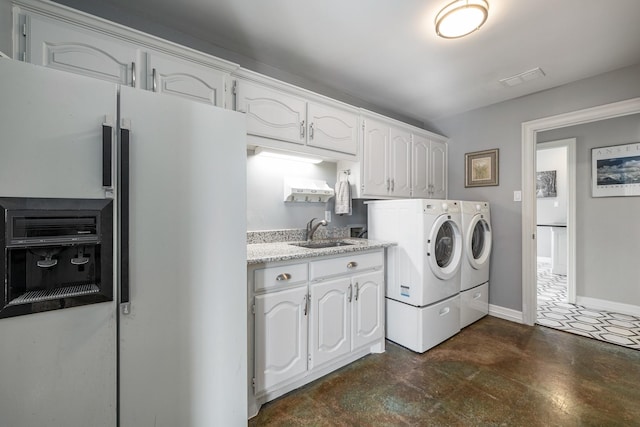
386	52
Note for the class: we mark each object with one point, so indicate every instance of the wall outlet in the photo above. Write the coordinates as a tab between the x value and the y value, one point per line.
327	216
517	196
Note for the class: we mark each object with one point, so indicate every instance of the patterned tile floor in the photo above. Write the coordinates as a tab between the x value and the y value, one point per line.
555	312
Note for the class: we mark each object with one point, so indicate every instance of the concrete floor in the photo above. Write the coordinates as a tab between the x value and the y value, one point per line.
494	372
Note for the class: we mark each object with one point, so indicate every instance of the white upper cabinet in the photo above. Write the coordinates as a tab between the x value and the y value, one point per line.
399	163
420	174
375	149
332	128
271	113
64	39
56	45
438	169
279	115
173	76
429	174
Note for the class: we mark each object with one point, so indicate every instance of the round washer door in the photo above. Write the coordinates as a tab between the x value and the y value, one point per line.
478	242
444	247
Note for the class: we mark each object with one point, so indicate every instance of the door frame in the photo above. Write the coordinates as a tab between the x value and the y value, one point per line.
570	146
529	205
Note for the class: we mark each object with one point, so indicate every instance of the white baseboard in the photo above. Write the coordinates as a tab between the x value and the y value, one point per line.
506	313
615	307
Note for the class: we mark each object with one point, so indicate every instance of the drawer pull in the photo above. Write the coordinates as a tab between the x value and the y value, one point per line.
350	294
477	295
444	311
283	276
352	264
357	290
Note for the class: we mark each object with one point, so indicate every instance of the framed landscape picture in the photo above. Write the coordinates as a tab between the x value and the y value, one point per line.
615	170
481	168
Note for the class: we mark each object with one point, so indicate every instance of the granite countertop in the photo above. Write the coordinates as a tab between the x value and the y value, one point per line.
258	253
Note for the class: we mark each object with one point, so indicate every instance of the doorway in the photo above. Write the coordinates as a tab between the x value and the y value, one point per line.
529	200
556	230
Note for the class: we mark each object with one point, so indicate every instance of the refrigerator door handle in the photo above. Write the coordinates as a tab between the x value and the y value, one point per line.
124	218
107	154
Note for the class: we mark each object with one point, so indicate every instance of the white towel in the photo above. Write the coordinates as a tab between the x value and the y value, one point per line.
343	196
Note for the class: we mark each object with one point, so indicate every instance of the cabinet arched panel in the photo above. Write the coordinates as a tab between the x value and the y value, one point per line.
188	86
400	163
86	60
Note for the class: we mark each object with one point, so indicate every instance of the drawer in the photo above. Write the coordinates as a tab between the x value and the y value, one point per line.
272	278
347	264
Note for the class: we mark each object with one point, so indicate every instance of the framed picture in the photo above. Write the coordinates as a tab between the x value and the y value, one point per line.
546	184
615	170
481	168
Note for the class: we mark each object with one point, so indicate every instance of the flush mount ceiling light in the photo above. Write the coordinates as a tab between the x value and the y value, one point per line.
461	17
284	155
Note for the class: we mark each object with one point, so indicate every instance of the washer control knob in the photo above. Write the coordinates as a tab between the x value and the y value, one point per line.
445	207
478	207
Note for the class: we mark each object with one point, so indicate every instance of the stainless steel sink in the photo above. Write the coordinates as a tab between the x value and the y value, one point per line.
322	244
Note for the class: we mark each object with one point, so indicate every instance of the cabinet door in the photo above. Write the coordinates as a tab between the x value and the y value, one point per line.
400	163
438	168
186	79
367	308
67	48
375	148
271	113
280	337
332	128
330	320
420	173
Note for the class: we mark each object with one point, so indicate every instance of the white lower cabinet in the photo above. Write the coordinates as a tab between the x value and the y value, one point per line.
311	318
280	336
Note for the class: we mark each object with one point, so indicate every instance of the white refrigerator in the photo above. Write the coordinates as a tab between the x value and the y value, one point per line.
171	348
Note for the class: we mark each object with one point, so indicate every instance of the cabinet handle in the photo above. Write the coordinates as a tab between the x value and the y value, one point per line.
352	264
311	130
350	295
393	185
283	276
133	74
308	306
154	81
357	290
305	302
302	129
388	184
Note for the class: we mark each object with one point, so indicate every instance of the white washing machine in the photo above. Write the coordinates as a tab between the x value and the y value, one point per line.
423	269
474	272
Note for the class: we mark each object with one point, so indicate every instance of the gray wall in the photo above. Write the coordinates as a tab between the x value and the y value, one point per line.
266	209
607	228
499	126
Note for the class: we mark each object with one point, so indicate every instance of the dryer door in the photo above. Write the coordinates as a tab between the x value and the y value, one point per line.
478	242
444	247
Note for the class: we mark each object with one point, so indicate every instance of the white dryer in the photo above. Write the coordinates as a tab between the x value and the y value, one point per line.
423	269
474	277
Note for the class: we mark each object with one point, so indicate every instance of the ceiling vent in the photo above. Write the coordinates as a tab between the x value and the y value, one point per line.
522	77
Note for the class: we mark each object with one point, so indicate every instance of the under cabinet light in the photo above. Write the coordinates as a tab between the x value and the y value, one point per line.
285	155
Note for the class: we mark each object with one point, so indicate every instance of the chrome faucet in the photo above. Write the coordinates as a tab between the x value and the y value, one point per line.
311	229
